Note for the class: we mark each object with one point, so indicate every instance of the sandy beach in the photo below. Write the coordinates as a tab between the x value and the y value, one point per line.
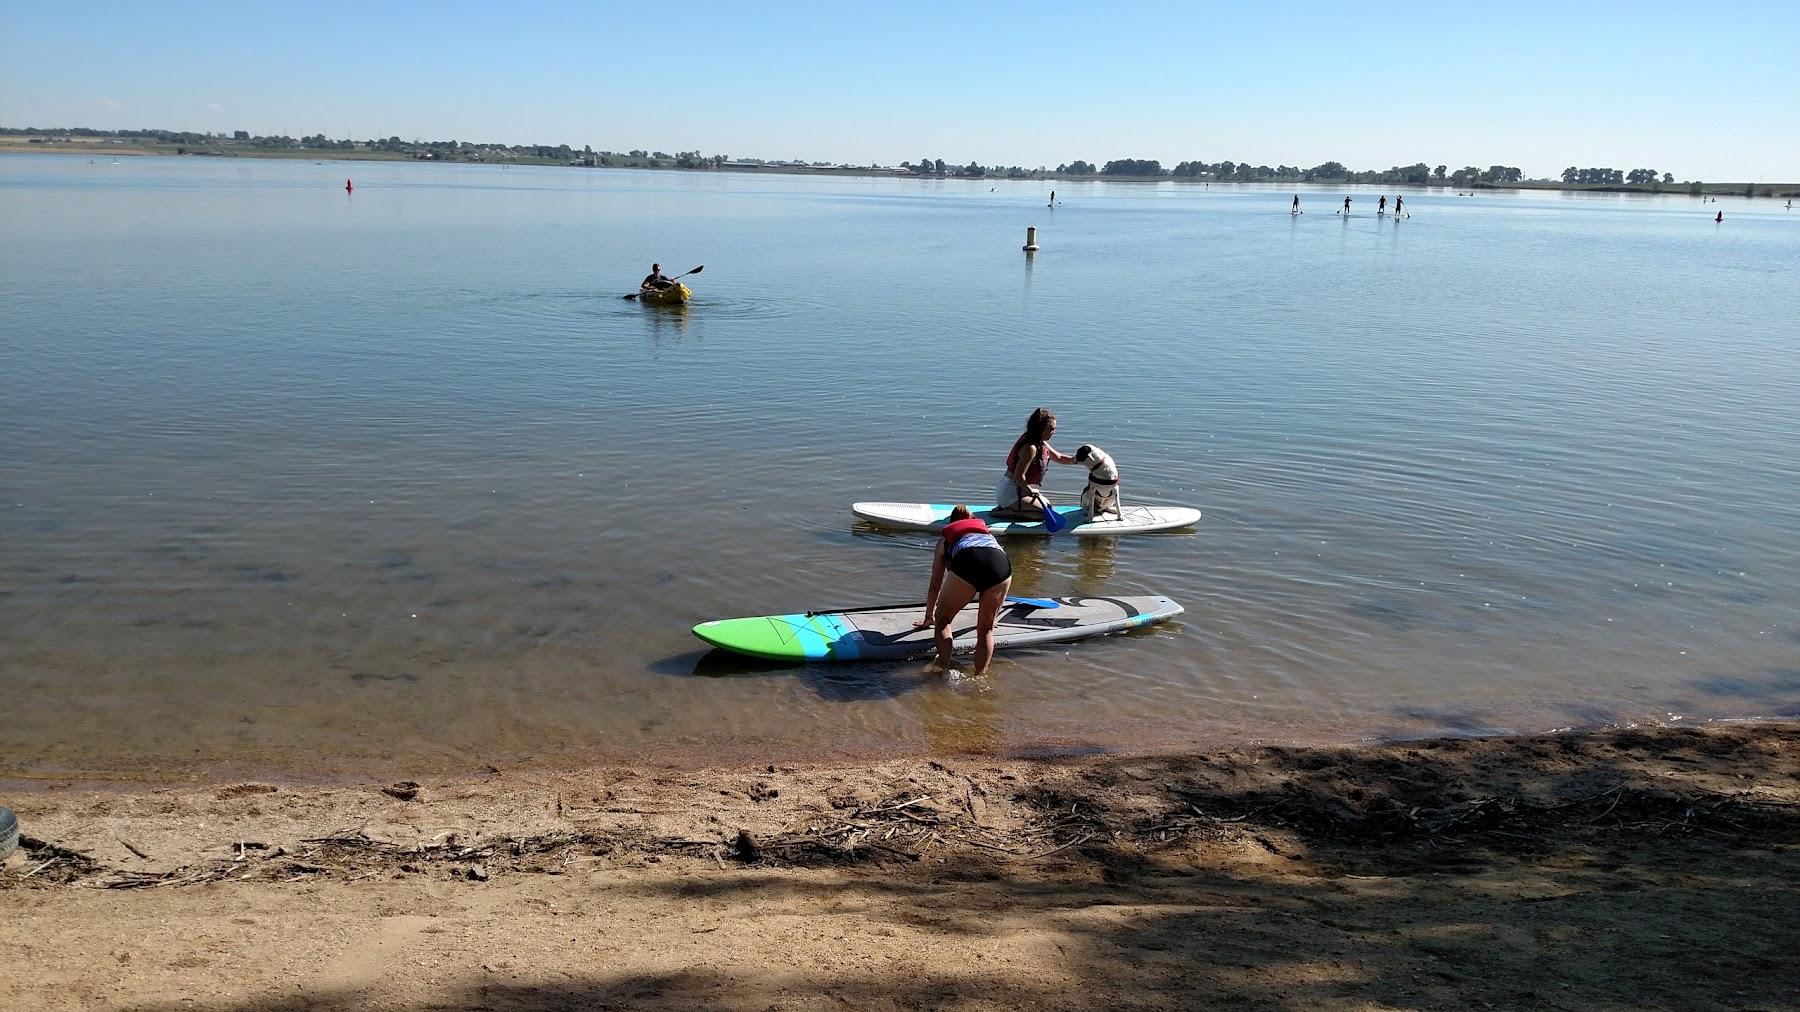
1642	868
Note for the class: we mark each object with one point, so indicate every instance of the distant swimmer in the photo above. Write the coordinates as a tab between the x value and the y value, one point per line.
1346	206
1296	208
1381	206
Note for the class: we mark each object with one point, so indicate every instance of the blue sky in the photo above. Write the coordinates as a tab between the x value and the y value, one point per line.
1708	91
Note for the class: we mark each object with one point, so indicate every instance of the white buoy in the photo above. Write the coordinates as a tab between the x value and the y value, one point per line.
1031	245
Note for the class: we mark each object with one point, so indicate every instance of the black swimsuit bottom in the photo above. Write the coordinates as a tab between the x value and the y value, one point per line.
981	568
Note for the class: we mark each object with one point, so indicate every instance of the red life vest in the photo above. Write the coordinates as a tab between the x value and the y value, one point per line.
1034	474
954	531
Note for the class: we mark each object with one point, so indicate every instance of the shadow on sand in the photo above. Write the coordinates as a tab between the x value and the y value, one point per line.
1625	869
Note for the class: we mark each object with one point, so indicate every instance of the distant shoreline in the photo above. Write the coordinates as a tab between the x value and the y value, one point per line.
113	149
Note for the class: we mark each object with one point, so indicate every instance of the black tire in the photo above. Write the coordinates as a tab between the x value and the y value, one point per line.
9	832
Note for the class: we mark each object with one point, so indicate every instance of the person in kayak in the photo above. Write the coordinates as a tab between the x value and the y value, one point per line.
656	279
1017	493
966	564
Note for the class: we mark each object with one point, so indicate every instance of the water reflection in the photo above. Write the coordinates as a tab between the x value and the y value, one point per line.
833	683
857	683
1029	558
667	324
1094	564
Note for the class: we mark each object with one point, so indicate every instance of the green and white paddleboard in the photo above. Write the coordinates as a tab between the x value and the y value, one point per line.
920	516
887	633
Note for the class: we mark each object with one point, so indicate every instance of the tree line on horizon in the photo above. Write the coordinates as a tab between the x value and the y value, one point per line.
1234	172
1419	173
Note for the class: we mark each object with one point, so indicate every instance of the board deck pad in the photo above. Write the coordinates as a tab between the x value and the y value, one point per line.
888	633
918	516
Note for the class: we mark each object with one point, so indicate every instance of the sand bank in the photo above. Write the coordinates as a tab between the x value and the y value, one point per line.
1625	868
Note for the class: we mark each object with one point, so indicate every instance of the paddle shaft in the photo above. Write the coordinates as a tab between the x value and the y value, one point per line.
1032	602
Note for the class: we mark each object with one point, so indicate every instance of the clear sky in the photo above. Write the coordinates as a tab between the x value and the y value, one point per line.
1703	90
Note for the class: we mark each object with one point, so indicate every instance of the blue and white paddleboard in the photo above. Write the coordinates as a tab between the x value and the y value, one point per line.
918	516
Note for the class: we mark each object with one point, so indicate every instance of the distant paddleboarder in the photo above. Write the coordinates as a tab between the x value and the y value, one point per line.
349	187
1398	201
1346	209
1381	206
1296	208
1052	199
1718	217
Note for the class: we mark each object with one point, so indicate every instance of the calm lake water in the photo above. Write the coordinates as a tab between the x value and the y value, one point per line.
300	482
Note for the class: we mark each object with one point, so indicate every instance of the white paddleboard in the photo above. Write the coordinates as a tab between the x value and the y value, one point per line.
919	516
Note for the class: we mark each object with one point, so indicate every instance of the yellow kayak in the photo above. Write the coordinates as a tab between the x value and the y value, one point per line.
674	295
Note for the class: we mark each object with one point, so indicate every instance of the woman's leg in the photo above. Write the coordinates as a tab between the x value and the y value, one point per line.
1006	491
955	595
986	616
1015	501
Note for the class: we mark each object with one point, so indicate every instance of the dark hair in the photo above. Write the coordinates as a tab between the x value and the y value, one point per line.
960	512
1040	420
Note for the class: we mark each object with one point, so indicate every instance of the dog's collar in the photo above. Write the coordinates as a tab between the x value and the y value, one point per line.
1102	481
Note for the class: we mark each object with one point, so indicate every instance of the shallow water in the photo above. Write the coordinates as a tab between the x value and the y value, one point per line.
301	482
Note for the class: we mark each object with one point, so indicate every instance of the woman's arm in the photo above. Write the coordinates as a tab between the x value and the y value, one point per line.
937	583
1060	458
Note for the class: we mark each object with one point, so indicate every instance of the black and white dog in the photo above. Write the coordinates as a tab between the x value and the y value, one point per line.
1101	496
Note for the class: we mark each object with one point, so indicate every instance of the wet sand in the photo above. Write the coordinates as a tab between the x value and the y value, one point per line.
1642	868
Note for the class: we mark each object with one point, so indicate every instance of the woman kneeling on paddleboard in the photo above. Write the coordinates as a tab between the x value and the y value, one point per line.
1017	492
977	566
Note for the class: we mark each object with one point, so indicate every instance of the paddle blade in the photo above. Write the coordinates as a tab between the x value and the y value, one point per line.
1053	521
698	269
633	295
